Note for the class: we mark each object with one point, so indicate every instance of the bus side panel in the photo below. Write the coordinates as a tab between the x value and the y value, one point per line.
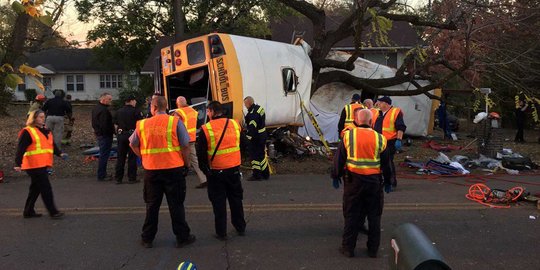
261	62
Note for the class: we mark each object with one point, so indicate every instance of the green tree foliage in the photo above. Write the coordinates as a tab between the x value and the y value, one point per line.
129	29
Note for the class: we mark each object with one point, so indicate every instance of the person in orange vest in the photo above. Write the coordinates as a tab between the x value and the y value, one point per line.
218	151
347	114
368	103
162	142
390	124
35	156
189	116
358	157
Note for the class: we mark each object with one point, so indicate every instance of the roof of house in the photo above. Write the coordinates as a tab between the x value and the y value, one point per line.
69	60
402	34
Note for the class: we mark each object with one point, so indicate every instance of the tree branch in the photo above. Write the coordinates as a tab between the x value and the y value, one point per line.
415	20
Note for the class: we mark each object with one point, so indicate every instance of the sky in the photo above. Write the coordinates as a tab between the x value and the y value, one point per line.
74	30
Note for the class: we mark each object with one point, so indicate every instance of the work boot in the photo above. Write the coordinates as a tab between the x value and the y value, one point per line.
346	252
372	253
253	178
32	215
147	244
189	240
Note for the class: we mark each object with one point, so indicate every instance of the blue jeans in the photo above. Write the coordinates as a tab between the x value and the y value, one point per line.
105	144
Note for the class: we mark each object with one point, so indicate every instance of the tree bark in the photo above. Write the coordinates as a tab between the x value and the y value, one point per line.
15	48
179	20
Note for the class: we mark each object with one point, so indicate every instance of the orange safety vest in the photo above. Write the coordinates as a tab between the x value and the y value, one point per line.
364	146
159	144
374	116
39	154
389	123
349	113
228	154
189	117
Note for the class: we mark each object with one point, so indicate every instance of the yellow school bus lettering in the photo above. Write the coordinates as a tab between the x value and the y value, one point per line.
223	79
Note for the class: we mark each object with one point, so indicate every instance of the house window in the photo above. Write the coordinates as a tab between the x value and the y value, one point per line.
110	81
21	87
133	80
289	80
74	83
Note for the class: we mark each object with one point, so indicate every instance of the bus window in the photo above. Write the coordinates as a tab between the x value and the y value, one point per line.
195	53
289	80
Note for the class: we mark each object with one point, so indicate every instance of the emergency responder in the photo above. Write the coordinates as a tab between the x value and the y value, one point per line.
103	126
390	124
162	142
35	155
126	121
189	117
347	118
36	104
256	133
218	151
368	103
360	152
69	122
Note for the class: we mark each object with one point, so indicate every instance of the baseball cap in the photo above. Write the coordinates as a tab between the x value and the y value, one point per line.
386	99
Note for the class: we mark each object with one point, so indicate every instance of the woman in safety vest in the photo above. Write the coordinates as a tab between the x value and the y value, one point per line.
35	155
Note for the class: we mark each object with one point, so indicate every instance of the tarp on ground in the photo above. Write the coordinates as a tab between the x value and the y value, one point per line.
329	100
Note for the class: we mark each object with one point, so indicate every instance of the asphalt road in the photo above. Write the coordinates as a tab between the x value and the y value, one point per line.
294	222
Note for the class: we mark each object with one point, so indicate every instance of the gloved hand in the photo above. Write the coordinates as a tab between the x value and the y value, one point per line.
336	182
398	144
388	188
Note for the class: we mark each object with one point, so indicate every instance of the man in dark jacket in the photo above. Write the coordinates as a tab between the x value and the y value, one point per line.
126	120
55	109
104	130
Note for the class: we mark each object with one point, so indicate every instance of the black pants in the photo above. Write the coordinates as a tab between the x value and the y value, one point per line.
40	185
362	199
125	151
222	186
259	162
519	135
171	183
387	163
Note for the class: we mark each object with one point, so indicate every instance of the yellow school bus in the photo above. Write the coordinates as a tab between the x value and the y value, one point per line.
227	68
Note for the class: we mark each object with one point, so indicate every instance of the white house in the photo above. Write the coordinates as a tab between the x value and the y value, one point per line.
76	71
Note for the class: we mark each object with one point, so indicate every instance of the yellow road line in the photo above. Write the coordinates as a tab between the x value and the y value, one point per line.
260	208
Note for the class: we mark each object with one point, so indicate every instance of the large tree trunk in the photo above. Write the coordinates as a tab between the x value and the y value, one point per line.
16	42
179	20
13	56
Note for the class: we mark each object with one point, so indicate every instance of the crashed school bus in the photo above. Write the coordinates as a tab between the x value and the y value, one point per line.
227	68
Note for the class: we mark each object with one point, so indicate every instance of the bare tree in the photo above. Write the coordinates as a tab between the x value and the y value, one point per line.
363	14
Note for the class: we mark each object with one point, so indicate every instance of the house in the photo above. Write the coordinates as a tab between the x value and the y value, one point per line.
76	71
402	37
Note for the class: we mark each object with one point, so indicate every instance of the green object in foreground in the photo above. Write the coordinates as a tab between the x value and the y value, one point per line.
414	251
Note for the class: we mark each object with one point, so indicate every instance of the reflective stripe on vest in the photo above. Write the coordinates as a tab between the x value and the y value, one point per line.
389	123
374	116
349	114
363	146
228	154
39	153
159	146
189	118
